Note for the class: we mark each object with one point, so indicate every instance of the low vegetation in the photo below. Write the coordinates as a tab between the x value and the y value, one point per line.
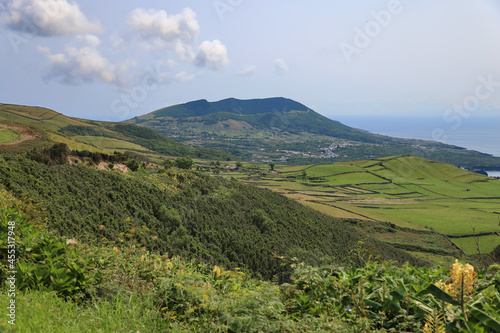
67	286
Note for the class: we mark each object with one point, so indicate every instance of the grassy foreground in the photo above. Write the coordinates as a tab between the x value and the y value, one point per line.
64	286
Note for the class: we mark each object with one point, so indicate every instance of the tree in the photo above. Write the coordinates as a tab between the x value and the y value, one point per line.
132	164
184	162
59	153
272	165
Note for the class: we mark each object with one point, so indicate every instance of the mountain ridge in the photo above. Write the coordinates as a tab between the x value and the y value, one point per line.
238	106
276	112
280	129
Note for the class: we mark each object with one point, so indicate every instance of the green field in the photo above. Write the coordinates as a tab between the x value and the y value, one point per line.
486	244
408	191
8	135
110	143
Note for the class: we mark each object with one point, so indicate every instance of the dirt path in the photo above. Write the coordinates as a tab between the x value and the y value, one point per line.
25	133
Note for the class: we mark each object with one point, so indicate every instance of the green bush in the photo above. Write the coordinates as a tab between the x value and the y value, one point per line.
56	154
132	164
41	260
184	162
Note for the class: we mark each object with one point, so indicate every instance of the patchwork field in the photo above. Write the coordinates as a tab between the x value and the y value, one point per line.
409	192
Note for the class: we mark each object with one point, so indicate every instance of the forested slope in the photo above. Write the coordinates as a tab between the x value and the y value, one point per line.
187	213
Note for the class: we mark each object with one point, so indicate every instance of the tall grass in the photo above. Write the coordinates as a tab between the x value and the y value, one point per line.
44	312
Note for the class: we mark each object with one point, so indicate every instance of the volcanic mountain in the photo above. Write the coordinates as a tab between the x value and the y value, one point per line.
281	129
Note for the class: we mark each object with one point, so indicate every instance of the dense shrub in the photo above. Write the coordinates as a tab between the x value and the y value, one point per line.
56	154
194	215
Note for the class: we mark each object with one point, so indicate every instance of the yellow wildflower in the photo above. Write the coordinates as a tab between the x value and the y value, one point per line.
447	288
462	275
216	272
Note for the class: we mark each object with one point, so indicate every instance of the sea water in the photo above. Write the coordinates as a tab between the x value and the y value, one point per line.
476	133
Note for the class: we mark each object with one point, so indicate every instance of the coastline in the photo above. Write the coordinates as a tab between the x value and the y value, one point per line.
493	173
479	133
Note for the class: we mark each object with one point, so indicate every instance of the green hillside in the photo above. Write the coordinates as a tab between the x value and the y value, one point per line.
230	105
272	113
194	215
409	192
73	285
38	116
80	134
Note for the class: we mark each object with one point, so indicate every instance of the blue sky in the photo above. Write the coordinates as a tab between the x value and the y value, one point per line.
113	60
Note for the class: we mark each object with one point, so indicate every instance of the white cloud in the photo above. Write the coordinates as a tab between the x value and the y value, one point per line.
281	66
212	55
91	40
249	70
47	18
178	33
157	24
184	51
83	60
82	65
184	77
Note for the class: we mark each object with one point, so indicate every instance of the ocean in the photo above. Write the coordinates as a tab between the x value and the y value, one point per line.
475	133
